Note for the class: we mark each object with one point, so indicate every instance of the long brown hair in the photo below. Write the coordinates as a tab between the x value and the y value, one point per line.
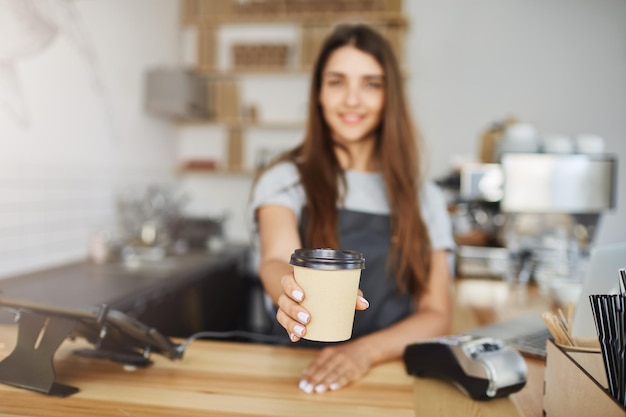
396	146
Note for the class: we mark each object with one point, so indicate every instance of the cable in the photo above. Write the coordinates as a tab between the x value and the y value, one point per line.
255	337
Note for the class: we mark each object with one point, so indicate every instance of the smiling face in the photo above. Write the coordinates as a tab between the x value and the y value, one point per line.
352	95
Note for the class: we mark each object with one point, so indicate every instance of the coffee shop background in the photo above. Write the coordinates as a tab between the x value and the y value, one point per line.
76	135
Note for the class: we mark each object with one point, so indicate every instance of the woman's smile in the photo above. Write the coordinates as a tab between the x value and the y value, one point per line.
351	118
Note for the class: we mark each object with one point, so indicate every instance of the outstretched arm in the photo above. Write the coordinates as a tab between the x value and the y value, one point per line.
279	237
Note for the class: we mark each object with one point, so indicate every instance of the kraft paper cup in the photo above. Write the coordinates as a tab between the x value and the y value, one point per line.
330	281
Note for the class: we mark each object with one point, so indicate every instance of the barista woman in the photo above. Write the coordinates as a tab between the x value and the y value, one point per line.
355	183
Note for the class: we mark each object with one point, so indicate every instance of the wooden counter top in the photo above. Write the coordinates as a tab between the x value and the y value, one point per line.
213	379
239	379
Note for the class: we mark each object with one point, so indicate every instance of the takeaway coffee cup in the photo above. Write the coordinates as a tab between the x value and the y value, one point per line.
330	281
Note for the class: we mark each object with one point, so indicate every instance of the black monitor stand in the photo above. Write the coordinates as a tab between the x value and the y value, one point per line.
30	364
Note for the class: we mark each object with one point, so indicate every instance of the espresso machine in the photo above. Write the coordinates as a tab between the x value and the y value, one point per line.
553	204
531	205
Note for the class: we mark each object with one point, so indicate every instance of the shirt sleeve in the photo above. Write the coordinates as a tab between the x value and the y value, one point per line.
436	217
279	185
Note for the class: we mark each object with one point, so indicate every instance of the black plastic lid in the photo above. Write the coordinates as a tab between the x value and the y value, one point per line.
328	259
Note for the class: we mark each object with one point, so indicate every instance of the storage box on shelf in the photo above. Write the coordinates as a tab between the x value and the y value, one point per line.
172	92
223	99
259	55
187	96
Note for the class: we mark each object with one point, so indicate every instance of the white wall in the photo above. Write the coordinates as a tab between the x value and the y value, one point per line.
73	131
558	64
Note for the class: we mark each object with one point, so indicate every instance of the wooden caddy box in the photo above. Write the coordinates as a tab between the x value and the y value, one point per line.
575	385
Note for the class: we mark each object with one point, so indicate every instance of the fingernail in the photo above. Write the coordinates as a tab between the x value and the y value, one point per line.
298	295
334	386
298	329
364	300
303	317
302	385
292	337
320	388
308	388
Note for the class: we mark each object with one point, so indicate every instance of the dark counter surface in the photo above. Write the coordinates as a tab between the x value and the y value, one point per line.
131	289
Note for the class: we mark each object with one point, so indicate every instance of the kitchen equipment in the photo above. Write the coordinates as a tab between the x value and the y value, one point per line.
520	138
482	261
558	183
198	232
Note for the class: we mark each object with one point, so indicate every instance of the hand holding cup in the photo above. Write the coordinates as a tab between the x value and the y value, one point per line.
326	284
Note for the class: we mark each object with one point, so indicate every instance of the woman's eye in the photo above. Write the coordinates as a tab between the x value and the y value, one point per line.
374	85
334	83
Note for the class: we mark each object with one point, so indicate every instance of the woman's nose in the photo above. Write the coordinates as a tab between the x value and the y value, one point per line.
352	97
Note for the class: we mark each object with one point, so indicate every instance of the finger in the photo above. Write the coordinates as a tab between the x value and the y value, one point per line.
291	288
292	309
335	374
361	303
339	383
294	328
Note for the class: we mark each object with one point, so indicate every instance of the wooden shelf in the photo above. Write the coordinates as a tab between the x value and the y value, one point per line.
216	172
273	71
314	18
240	124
